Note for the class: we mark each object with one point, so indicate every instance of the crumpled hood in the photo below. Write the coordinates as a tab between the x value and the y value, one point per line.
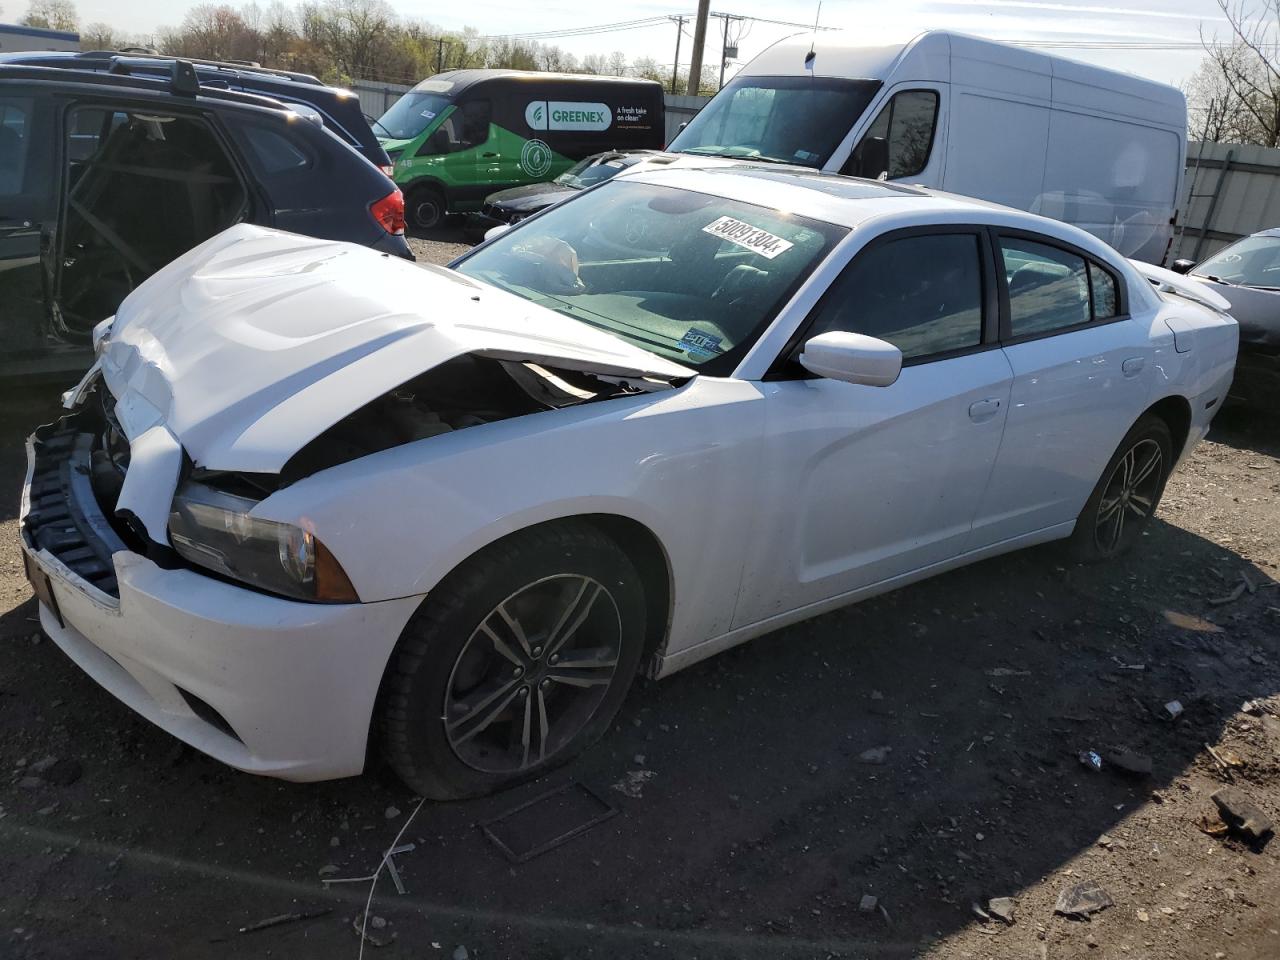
256	341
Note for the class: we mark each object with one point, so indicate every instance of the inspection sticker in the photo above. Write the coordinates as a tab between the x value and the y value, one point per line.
751	238
698	343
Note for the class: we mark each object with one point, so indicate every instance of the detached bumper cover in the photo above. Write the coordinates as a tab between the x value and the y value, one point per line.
266	685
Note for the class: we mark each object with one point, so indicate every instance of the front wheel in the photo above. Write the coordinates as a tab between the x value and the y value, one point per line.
514	664
1127	494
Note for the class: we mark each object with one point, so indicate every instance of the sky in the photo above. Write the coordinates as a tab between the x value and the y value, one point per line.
1131	21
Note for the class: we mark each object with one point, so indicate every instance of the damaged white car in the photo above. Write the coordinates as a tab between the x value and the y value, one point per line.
312	498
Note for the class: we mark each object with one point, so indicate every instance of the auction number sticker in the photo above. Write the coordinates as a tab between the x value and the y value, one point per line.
748	237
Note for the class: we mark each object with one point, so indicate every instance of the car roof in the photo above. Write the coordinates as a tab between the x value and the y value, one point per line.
853	201
459	80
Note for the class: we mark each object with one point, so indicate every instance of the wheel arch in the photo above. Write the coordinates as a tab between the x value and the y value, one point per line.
417	183
1175	411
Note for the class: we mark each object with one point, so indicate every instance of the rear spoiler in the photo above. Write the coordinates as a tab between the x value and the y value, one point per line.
1167	281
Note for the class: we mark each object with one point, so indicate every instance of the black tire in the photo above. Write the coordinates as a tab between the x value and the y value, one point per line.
425	208
1127	499
446	669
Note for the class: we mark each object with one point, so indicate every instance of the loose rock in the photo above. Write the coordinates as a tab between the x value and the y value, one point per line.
868	903
875	755
1002	908
1081	899
460	953
1241	814
391	813
1128	762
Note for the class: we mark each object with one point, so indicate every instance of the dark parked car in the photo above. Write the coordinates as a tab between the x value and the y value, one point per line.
1247	273
106	177
512	206
339	109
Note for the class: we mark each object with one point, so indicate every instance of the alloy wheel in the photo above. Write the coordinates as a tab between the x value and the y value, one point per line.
532	674
1130	494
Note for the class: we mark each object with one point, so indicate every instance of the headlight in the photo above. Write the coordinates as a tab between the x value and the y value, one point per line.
214	530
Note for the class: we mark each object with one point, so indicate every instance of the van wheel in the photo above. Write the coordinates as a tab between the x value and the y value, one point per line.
1127	494
513	665
426	208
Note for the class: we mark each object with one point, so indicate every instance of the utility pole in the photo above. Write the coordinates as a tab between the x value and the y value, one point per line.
440	55
699	41
675	67
724	45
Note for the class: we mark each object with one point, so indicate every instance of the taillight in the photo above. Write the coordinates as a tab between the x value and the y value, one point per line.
388	169
389	212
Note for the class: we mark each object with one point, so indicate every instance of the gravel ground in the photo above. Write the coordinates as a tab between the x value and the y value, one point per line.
920	748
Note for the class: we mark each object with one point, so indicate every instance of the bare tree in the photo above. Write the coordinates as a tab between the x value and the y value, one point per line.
52	15
1240	97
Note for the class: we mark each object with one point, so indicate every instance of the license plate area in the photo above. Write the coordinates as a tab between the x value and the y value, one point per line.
41	586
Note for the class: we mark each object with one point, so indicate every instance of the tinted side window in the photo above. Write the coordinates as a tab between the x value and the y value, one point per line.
274	152
476	117
16	122
906	124
1103	285
1048	287
922	294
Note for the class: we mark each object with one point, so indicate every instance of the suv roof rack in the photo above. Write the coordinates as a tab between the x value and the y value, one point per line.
144	59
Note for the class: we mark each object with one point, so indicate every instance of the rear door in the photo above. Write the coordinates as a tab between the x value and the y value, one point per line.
28	214
1082	374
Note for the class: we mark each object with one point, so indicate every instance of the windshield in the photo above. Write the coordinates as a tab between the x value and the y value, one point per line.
688	276
410	115
1251	262
797	120
591	170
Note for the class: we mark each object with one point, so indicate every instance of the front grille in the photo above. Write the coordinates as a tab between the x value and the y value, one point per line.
64	517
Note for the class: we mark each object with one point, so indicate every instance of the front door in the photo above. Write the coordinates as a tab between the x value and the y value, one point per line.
28	213
864	484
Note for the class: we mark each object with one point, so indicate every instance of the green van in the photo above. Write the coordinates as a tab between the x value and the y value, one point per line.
459	136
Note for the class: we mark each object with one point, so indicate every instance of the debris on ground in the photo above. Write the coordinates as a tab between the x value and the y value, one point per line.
1242	815
1213	825
1091	760
633	784
875	755
1129	762
391	813
1255	708
868	903
460	953
1002	908
1007	672
1082	899
361	929
1223	766
1172	710
1232	596
284	918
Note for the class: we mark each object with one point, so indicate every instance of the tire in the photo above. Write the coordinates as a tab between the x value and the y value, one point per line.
460	660
426	208
1129	504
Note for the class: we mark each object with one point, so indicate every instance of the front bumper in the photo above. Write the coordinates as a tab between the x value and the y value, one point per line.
264	684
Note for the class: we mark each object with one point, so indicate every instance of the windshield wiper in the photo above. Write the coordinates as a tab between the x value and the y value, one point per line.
1224	282
725	155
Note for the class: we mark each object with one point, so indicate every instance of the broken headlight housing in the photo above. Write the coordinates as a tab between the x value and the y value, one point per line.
214	530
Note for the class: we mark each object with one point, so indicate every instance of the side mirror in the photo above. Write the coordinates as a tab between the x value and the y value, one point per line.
870	158
497	231
852	358
683	124
1182	266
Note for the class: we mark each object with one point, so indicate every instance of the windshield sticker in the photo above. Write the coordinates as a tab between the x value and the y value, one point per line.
748	237
429	114
698	343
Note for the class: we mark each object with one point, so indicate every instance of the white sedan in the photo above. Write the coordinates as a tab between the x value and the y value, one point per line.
312	498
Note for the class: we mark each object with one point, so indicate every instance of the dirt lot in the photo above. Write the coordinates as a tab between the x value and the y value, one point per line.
765	811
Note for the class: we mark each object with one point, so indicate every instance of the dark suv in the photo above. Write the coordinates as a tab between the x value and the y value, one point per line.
106	177
339	109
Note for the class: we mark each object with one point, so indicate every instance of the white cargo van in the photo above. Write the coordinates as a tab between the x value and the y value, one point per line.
1099	149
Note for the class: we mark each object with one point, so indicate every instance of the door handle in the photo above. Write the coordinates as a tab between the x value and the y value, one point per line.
982	410
1133	366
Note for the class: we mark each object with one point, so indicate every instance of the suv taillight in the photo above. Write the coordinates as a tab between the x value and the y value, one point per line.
389	212
388	169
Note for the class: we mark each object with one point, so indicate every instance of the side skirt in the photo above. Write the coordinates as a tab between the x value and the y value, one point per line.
673	662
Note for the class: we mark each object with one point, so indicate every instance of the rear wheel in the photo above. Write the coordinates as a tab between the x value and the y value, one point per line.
425	208
1127	494
516	663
